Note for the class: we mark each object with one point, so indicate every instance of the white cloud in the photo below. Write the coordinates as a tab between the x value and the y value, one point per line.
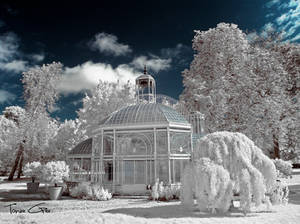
296	38
172	52
6	96
272	3
38	57
11	59
288	21
108	43
8	46
9	53
14	66
87	76
281	19
154	63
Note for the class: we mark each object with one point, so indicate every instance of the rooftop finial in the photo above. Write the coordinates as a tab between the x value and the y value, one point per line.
145	69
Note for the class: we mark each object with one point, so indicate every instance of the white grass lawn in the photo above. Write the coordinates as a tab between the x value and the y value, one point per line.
143	211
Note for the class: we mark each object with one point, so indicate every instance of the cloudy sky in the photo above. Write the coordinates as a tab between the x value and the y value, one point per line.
113	40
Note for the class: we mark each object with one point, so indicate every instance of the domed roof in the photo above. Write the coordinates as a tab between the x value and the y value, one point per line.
144	76
144	113
84	147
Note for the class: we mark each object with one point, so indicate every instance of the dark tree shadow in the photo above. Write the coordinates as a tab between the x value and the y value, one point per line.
174	211
17	195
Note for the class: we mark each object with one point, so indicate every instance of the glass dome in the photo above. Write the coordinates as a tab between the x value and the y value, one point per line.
84	147
144	113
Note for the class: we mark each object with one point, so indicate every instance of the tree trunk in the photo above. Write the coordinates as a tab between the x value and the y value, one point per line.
14	168
276	147
21	165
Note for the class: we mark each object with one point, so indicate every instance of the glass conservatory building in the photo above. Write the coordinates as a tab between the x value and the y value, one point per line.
135	145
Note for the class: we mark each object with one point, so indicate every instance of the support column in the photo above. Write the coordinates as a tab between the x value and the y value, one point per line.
192	142
101	171
169	154
81	166
92	171
155	156
114	162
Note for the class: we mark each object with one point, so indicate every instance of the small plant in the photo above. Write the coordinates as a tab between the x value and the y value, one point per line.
90	192
55	172
33	170
100	194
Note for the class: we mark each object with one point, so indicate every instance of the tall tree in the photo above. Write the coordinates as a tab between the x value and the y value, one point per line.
9	133
237	86
17	115
40	94
288	54
102	101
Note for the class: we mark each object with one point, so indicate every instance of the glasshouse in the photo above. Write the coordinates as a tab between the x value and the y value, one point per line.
137	144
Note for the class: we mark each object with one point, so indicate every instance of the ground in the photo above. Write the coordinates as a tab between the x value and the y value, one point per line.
134	210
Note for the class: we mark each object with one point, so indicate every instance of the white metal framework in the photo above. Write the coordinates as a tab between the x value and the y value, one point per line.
134	146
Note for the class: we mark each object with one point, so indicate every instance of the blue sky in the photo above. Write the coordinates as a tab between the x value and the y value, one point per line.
112	40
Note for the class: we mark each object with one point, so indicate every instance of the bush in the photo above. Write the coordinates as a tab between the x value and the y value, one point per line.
165	193
280	193
284	168
55	172
89	191
33	170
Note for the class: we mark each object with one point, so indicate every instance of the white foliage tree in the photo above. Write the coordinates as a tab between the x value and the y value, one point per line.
68	135
237	86
289	55
40	94
8	146
103	100
226	162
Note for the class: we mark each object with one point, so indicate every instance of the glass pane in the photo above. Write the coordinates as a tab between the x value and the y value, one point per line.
161	142
180	142
128	172
76	165
140	177
163	170
178	164
108	145
86	164
97	144
135	144
108	169
150	172
118	175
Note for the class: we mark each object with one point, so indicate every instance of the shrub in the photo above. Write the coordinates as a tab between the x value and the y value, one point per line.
165	193
89	191
33	170
55	172
284	168
280	193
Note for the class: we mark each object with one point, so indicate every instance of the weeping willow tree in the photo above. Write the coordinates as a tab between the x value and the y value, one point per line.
225	163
